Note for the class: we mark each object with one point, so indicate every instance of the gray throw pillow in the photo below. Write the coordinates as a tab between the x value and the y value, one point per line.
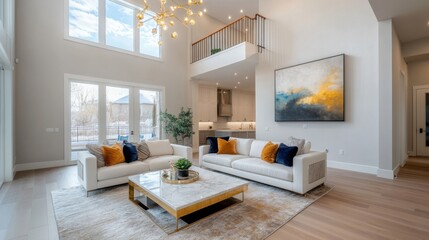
142	150
97	151
296	142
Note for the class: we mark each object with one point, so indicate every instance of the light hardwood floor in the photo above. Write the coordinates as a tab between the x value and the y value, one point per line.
361	206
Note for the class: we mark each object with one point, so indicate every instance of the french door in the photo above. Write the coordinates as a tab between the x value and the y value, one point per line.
422	121
104	113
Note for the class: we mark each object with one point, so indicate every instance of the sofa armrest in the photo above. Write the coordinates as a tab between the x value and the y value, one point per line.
204	149
309	171
87	170
183	151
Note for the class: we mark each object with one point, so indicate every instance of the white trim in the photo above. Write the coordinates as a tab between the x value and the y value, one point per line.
353	167
41	165
388	174
415	88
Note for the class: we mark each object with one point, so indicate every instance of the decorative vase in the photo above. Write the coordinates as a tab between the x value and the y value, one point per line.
183	173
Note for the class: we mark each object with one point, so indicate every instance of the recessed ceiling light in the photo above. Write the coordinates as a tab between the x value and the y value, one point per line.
247	77
241	10
217	84
229	17
235	87
235	74
238	83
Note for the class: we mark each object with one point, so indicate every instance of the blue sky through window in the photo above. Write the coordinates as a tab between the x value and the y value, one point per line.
148	41
119	26
83	19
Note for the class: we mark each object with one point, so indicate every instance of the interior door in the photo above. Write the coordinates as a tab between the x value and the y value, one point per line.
422	122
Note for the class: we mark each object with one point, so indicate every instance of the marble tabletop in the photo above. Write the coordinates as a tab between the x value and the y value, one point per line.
178	196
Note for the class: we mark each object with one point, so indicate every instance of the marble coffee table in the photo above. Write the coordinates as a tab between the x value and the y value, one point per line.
183	199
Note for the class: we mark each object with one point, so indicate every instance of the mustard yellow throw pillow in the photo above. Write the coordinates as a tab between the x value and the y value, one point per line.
113	155
269	152
226	147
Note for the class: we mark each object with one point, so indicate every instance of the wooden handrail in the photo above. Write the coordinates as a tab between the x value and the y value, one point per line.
229	25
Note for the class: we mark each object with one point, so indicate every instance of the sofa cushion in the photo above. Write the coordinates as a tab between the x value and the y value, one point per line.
122	170
269	152
258	166
296	142
256	148
113	155
130	152
161	162
213	143
285	154
226	147
142	150
222	159
243	145
307	147
160	147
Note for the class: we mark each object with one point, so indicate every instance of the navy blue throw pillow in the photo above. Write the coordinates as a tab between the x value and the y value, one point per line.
213	143
285	154
130	152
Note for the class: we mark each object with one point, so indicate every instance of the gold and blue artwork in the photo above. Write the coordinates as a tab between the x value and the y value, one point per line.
311	91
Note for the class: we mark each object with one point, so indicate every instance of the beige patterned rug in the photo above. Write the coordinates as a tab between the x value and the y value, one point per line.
108	214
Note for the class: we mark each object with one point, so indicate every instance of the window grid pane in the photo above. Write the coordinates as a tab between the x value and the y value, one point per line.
83	19
119	26
149	41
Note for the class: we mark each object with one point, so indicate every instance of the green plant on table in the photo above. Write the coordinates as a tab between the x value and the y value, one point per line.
183	164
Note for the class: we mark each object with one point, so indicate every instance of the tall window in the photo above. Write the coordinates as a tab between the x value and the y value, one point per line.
100	113
111	24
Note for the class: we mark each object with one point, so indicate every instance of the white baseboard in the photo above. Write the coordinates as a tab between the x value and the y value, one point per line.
389	174
353	167
39	165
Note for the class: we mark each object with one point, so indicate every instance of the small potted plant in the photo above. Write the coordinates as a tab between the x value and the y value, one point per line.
183	166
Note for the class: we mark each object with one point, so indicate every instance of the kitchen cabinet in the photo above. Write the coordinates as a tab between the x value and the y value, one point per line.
243	106
236	133
207	103
203	136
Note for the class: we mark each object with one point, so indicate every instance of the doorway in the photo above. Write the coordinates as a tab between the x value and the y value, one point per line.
422	121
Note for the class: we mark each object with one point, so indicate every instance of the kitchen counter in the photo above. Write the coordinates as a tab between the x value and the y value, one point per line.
236	130
236	133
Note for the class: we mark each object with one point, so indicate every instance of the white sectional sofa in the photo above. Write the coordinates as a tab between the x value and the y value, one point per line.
308	171
161	153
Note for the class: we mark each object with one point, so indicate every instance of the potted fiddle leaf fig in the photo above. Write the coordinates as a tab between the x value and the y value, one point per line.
183	166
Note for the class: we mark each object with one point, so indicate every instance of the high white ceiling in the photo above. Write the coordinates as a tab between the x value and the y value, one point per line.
410	17
221	9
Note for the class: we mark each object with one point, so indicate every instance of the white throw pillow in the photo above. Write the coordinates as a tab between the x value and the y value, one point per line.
296	142
243	145
256	148
307	147
160	147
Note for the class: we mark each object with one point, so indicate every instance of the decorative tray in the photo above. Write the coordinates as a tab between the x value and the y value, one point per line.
168	177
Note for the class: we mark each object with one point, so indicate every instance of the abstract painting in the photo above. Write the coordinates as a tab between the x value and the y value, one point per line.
312	91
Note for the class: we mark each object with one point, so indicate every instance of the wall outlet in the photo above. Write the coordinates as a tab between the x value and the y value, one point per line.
341	152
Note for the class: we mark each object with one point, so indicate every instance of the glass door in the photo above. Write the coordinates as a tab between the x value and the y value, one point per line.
148	117
118	114
84	102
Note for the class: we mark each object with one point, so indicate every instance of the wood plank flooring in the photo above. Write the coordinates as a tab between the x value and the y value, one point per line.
361	206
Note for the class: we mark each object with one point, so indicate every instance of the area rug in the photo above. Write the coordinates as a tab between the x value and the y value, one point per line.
109	214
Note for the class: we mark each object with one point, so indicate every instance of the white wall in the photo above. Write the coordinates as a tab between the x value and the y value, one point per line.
303	30
44	58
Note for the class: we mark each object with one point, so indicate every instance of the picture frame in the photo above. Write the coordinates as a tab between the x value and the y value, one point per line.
311	92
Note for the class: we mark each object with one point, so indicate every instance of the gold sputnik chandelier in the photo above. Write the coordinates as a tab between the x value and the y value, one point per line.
169	13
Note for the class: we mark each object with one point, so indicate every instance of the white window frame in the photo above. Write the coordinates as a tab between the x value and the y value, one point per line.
102	31
102	83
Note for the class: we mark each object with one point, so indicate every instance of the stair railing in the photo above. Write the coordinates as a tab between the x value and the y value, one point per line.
244	29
